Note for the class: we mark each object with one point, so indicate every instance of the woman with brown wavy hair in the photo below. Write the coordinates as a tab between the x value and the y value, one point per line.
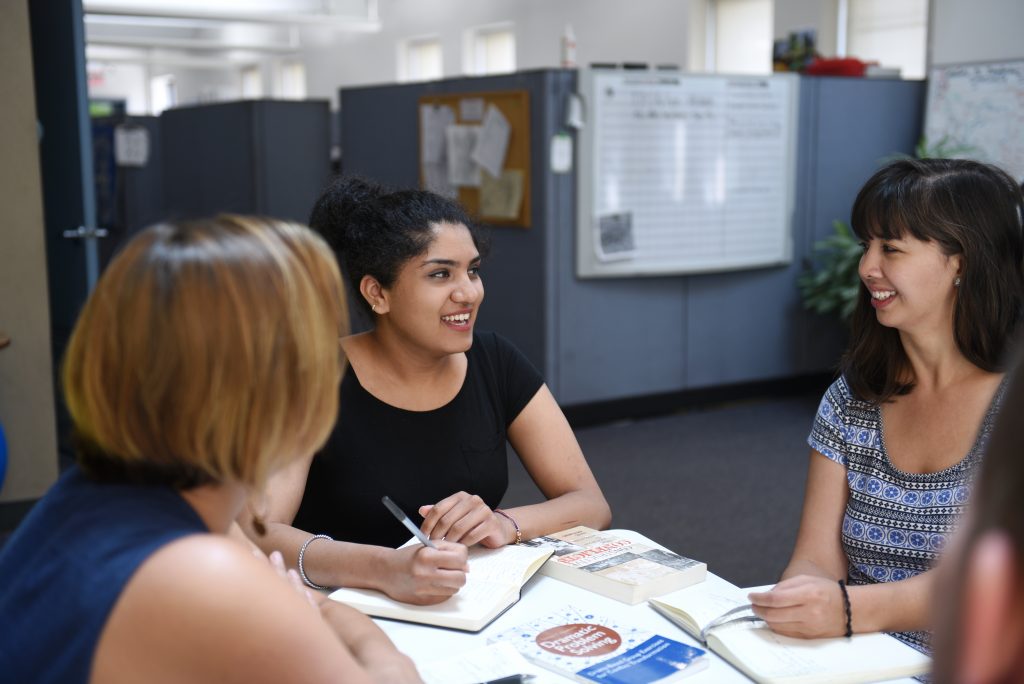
206	359
899	436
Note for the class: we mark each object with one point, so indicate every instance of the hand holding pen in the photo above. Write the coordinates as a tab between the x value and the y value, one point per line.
423	575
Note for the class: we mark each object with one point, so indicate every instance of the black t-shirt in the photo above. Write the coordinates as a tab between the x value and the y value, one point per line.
417	457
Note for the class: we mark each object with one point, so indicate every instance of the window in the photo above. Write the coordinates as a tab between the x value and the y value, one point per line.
293	81
741	36
894	34
490	50
420	59
252	82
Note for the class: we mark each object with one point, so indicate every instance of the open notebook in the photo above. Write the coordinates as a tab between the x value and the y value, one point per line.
715	611
493	584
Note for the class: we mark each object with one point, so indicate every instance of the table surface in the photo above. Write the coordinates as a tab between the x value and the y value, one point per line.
540	596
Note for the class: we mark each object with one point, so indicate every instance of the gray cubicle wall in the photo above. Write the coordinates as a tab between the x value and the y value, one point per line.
602	340
269	157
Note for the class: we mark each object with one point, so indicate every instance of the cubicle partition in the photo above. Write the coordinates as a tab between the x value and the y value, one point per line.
269	157
610	339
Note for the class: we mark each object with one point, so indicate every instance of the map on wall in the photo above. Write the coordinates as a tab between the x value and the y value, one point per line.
980	107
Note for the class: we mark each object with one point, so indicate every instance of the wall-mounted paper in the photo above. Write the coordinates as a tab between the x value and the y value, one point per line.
492	143
433	122
131	145
471	109
435	179
561	153
462	170
501	197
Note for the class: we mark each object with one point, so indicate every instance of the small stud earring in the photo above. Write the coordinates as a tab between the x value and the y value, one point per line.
956	282
373	308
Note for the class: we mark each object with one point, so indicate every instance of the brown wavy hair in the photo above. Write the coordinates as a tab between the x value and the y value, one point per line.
209	351
969	209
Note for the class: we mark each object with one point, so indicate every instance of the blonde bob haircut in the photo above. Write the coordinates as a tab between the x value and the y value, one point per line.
208	352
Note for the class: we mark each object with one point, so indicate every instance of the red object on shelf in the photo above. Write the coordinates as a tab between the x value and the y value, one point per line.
836	66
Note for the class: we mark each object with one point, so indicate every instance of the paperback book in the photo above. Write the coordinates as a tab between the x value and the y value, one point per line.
582	646
616	566
718	614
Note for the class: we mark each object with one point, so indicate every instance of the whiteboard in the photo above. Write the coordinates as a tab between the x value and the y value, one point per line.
684	173
980	106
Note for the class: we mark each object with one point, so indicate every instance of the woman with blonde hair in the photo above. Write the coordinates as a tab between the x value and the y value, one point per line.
206	359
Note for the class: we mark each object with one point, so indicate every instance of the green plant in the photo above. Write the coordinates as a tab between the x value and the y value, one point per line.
831	284
944	148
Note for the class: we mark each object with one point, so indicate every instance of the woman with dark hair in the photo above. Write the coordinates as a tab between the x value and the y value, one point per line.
979	637
428	406
898	437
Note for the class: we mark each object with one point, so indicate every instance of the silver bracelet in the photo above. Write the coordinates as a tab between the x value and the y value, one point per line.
302	553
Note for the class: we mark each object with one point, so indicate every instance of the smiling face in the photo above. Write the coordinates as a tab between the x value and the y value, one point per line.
911	283
436	296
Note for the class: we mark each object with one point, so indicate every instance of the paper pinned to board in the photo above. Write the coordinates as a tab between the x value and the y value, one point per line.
434	120
615	237
501	197
435	179
471	109
492	142
462	170
131	146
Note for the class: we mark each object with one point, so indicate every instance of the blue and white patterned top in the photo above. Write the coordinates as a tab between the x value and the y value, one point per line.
896	523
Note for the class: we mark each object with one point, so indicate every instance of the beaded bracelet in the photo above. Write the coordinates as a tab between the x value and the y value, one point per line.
519	533
846	605
302	553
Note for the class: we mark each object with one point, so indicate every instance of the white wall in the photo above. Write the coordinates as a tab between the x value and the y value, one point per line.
26	375
206	85
976	31
121	81
651	31
820	15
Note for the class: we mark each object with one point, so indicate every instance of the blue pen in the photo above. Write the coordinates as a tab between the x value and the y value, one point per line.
409	524
511	679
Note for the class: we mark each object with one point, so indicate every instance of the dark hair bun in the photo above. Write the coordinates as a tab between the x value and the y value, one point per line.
335	214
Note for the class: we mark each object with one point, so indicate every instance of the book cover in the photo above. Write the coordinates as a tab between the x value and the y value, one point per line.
493	584
719	612
588	648
616	566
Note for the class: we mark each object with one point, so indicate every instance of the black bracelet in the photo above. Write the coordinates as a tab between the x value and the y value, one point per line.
846	604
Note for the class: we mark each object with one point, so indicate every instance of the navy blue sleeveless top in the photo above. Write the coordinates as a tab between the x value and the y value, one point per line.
63	569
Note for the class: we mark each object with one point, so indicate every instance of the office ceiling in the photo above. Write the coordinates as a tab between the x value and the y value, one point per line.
205	31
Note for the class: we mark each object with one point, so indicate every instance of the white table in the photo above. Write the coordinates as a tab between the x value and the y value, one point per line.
540	596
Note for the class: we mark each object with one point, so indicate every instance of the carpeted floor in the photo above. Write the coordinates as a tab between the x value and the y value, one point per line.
723	484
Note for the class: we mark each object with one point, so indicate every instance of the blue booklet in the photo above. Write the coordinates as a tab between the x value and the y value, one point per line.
589	648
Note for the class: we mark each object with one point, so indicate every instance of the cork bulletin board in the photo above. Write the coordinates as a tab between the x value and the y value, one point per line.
497	200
